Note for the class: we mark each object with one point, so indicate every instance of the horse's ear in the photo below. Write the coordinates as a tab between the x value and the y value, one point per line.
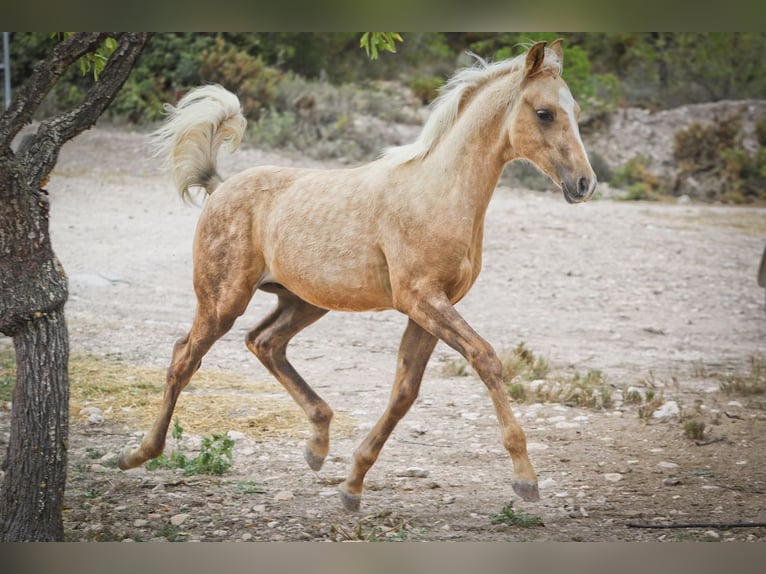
535	59
556	48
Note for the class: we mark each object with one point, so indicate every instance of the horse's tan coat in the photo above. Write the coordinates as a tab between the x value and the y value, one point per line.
396	233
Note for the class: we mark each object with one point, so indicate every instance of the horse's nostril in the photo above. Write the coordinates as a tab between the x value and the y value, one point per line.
583	185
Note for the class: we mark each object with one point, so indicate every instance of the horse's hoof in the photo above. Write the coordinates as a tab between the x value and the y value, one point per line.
122	459
351	502
526	489
315	462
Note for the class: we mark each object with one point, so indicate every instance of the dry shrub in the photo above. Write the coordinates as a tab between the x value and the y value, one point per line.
714	156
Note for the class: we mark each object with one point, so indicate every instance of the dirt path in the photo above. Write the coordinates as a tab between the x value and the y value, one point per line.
659	296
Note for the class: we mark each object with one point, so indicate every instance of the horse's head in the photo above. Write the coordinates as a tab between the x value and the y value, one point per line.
544	127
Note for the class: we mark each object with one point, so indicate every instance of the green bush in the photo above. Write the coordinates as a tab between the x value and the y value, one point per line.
715	151
254	82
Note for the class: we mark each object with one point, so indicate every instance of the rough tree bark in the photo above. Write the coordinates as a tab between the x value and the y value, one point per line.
33	287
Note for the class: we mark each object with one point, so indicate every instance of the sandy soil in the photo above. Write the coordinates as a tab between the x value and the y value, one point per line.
660	295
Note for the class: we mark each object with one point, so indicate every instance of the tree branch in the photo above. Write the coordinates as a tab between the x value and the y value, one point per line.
44	77
41	154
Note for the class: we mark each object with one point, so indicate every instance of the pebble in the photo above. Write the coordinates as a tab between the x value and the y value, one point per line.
178	519
284	495
413	472
259	508
547	483
712	534
667	465
567	425
139	522
613	476
667	410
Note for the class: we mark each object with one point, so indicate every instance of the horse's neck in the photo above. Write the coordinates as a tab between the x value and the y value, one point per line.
471	156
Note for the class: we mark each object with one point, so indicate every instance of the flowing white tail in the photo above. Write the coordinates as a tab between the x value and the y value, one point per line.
194	131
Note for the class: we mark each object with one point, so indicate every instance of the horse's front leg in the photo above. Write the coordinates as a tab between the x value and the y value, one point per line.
414	351
436	314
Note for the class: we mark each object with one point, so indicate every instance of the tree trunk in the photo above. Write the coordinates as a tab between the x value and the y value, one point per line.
33	289
33	492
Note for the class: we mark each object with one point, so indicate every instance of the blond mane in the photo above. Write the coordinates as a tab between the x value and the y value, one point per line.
444	109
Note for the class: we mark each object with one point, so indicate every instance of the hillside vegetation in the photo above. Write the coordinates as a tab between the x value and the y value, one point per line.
320	94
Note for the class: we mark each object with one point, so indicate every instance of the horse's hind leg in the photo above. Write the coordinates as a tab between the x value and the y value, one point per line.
268	341
414	351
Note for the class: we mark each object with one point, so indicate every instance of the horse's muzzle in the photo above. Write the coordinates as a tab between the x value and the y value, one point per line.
577	190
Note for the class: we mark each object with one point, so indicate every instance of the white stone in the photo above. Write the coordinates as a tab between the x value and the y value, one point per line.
567	425
95	419
547	483
613	477
667	410
284	495
667	465
178	519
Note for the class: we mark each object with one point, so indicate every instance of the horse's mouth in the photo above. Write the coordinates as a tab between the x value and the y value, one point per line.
580	192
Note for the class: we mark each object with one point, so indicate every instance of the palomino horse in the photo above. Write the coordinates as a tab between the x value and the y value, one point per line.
403	232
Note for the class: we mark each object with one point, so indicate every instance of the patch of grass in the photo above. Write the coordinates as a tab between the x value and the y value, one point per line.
653	401
512	517
215	455
249	487
7	374
171	533
380	527
752	382
456	367
527	379
522	363
694	429
129	397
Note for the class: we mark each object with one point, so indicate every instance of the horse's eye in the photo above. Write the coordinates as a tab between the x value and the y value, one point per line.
544	115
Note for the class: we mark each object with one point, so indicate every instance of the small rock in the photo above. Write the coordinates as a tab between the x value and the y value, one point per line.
95	419
140	522
735	404
567	425
178	519
613	477
284	495
667	410
259	508
712	534
414	472
247	536
667	465
547	483
672	481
